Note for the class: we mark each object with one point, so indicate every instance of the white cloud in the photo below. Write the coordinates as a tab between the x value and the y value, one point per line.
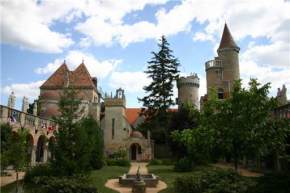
130	81
30	90
24	25
100	69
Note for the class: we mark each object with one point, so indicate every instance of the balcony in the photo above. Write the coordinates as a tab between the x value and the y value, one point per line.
213	64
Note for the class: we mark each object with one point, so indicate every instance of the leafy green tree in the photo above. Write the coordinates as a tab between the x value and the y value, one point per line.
6	132
16	154
186	117
95	142
71	154
163	71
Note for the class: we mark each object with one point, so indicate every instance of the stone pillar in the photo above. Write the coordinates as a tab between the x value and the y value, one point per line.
11	100
33	155
45	153
25	104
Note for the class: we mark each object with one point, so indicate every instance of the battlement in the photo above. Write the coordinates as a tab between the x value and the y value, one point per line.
110	102
191	80
216	63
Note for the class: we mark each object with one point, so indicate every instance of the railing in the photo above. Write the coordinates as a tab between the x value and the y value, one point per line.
214	64
29	121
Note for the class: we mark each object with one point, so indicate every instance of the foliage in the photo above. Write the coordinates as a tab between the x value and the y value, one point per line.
37	171
183	165
163	71
161	162
118	162
213	181
95	141
186	117
16	154
120	154
272	183
72	184
6	133
78	144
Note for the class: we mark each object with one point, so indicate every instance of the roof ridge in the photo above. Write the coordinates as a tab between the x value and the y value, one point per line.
47	82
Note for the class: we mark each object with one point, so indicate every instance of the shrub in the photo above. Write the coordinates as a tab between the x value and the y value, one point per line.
272	183
213	181
72	184
183	165
118	162
155	162
37	171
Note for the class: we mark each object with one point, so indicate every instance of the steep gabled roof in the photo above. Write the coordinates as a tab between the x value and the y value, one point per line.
227	41
132	114
80	77
57	78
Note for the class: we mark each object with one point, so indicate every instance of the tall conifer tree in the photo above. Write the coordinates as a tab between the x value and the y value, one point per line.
163	70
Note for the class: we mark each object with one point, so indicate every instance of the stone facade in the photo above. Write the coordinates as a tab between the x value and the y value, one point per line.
188	90
119	133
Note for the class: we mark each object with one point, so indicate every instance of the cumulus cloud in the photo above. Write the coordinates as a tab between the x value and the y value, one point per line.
130	81
30	90
23	24
98	68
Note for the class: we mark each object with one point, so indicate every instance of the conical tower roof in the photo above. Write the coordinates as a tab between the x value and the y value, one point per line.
227	40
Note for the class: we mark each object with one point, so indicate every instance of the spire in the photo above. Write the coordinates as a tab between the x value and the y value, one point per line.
227	40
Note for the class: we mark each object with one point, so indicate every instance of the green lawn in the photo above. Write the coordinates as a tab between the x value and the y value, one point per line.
167	174
99	178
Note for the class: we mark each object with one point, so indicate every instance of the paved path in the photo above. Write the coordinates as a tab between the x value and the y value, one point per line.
11	178
114	183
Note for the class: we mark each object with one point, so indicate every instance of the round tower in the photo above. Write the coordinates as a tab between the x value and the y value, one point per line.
188	90
224	69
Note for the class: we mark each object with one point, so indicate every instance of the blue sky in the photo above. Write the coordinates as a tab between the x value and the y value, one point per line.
115	39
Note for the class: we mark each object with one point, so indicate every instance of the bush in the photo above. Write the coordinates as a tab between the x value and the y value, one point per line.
272	183
118	162
183	165
161	162
72	184
155	162
37	171
213	181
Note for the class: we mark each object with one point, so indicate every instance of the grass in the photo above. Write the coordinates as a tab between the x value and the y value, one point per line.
167	174
99	178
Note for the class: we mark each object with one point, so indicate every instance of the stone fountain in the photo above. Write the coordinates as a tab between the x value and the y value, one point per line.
130	180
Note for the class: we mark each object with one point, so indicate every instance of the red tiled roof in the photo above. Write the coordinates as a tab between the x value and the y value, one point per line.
80	77
132	114
227	41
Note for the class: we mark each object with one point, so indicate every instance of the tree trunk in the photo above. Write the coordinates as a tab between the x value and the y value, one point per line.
236	160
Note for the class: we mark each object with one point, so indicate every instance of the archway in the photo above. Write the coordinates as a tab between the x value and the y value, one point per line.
40	149
135	150
29	147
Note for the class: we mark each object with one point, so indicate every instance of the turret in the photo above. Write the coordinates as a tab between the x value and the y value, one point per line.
25	104
11	100
224	69
188	90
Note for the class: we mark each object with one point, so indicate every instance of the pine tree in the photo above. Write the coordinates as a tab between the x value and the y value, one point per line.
163	70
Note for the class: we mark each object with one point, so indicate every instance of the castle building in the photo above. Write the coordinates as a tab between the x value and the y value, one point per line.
116	121
188	90
79	79
223	70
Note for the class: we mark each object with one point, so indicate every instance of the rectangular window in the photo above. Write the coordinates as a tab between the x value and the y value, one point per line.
113	128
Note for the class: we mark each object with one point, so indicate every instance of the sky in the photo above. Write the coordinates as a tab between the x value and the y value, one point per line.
115	39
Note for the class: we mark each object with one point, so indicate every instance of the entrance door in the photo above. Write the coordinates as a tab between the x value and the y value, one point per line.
133	152
135	149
